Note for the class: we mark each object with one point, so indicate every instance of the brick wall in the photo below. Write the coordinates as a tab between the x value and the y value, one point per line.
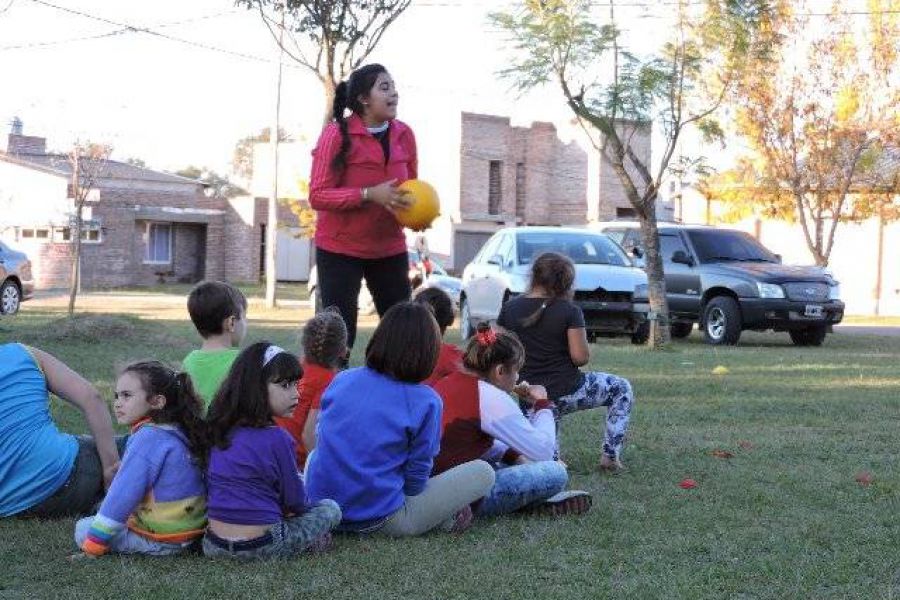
555	173
612	192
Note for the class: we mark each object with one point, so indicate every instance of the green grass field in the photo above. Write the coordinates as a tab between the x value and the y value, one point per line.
782	518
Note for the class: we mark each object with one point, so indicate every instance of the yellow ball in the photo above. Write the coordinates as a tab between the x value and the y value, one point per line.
425	206
720	370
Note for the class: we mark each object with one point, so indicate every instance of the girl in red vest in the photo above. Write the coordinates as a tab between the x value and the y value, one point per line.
482	420
357	164
324	343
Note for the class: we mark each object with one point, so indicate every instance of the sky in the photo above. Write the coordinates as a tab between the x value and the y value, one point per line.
174	103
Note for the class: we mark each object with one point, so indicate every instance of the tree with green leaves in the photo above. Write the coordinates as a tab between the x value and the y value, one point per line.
219	185
615	93
330	38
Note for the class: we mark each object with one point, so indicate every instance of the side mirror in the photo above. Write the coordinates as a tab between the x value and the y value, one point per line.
681	257
495	260
637	252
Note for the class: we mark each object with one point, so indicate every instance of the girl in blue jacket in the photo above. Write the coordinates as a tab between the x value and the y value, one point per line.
378	434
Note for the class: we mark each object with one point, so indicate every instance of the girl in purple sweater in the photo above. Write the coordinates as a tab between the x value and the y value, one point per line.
257	504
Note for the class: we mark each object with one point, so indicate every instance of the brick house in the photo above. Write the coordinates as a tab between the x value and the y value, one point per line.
141	226
512	175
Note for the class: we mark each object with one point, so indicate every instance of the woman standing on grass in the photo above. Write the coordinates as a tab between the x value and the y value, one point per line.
43	472
357	164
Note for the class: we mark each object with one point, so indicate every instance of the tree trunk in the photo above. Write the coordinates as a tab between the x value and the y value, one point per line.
329	85
659	309
76	260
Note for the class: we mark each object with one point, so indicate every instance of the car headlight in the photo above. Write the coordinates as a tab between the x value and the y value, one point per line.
834	291
770	290
641	291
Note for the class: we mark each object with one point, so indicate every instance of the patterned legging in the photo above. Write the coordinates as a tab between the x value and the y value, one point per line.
603	389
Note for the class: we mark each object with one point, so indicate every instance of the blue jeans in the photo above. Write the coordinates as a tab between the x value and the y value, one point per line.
288	538
128	542
520	485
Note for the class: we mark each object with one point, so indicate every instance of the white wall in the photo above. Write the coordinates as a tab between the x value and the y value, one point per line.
29	197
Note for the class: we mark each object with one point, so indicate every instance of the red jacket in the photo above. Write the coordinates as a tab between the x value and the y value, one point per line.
310	387
449	361
346	224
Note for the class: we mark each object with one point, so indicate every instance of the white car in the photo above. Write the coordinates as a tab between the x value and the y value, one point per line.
437	278
610	290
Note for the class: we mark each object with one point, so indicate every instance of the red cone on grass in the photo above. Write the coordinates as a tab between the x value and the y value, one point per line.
687	484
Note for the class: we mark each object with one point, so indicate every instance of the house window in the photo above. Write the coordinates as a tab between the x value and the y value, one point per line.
41	234
625	213
494	189
159	243
520	190
91	233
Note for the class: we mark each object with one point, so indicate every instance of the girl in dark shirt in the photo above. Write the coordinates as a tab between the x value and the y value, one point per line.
552	329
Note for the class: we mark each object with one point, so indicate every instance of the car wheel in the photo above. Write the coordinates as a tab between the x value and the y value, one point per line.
465	322
722	321
811	336
641	334
681	329
10	298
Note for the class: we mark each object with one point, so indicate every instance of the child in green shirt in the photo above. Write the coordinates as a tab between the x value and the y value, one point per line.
219	312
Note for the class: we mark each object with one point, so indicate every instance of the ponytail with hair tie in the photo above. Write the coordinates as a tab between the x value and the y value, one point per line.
486	337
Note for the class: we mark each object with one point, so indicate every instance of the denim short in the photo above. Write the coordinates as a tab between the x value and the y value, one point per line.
83	489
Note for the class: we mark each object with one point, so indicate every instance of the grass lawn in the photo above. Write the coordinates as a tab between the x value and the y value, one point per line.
782	518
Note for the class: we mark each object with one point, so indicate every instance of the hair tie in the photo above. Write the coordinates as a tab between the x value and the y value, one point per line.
271	352
486	337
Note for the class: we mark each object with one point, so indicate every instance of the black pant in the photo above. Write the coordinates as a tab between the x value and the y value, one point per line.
340	277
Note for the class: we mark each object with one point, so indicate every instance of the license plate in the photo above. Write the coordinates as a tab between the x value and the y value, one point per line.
813	310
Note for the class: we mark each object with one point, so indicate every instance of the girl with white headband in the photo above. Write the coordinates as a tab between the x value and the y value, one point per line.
257	503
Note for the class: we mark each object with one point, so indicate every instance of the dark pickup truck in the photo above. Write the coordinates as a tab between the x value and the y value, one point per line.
728	282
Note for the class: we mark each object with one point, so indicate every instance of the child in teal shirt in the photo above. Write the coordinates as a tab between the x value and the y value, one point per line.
219	312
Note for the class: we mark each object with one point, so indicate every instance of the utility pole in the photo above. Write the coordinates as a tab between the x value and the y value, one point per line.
272	226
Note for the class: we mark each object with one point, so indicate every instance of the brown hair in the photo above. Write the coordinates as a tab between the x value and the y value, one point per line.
440	303
243	397
183	407
324	338
405	344
211	302
490	347
555	273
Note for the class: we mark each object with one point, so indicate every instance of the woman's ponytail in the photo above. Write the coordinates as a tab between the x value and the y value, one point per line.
338	107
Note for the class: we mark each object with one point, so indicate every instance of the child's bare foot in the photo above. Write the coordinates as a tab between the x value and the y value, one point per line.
610	464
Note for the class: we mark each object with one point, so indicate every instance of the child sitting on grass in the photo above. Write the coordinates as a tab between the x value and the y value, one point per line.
157	501
378	434
481	420
219	312
324	342
552	329
257	503
450	357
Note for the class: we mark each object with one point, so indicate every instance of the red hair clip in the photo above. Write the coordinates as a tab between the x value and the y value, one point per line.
486	337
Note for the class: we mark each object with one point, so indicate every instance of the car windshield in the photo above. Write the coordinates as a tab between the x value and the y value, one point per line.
583	248
727	246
